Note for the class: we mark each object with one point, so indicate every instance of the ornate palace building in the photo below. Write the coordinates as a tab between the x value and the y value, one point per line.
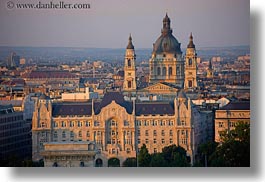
120	127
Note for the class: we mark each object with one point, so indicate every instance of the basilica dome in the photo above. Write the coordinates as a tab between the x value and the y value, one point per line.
166	43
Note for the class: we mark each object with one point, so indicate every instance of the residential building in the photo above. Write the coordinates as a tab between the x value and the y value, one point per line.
228	116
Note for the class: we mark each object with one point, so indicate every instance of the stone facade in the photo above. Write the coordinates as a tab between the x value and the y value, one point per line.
72	154
118	127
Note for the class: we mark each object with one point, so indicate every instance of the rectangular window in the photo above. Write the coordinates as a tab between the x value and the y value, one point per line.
162	140
184	141
221	124
72	135
126	123
163	133
63	124
146	141
96	123
139	133
232	124
87	124
146	132
155	150
63	134
72	123
154	140
170	140
79	123
155	134
139	141
183	132
170	133
55	135
183	123
55	124
88	134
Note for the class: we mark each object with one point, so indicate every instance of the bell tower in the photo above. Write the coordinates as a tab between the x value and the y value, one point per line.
129	83
190	66
210	70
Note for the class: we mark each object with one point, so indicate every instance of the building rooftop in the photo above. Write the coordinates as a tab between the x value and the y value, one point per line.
147	108
6	109
49	74
237	105
71	108
114	96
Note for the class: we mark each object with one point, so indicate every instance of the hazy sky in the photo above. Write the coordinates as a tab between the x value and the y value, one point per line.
108	23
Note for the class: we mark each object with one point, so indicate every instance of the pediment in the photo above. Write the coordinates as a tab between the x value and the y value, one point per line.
161	87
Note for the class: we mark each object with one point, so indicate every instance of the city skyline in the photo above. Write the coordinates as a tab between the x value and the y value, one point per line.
107	25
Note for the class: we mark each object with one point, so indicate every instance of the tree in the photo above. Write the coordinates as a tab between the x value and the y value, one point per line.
234	151
175	156
113	162
144	157
204	151
130	162
157	160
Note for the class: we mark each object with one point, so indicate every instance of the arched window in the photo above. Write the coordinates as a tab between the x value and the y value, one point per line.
43	124
99	162
129	84
158	71
170	71
164	71
190	62
129	63
190	83
63	124
79	123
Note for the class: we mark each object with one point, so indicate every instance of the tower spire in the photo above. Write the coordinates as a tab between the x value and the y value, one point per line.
130	45
191	44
